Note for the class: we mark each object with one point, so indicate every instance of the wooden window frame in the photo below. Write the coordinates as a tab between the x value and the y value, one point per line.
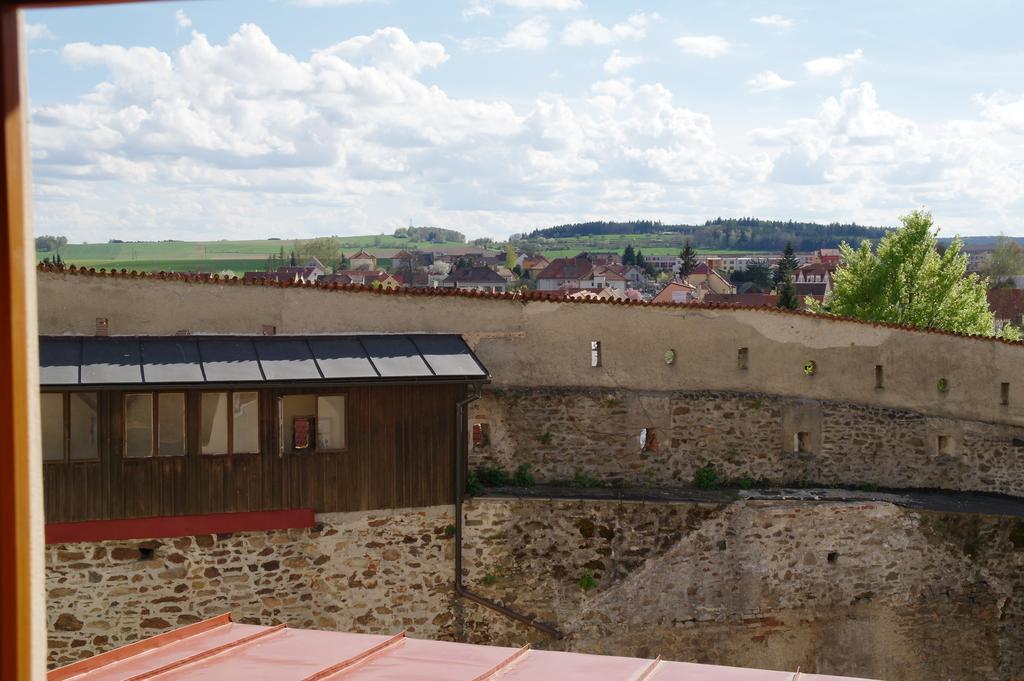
154	435
231	422
316	395
66	428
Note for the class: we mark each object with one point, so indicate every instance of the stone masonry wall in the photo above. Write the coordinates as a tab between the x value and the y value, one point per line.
862	589
562	432
373	572
865	589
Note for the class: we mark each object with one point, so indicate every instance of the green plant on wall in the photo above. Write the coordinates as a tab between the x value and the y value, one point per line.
942	385
587	581
706	477
810	368
545	437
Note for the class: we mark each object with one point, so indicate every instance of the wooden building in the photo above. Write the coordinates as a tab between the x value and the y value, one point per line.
136	427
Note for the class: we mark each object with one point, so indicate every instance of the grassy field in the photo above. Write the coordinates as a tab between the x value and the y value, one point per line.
241	256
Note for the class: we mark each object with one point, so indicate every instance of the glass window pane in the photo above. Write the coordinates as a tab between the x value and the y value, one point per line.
138	424
299	412
214	433
84	438
52	417
246	413
330	422
171	425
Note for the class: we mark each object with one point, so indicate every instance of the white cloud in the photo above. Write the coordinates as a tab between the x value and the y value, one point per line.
556	5
38	32
476	9
531	34
1002	109
769	80
706	46
774	21
182	19
832	66
589	32
618	62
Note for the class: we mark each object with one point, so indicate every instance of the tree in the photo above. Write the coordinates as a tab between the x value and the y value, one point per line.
906	281
510	257
629	255
757	272
50	243
788	264
326	249
688	260
787	294
1005	260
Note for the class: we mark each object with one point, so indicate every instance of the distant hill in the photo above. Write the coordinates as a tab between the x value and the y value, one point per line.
752	234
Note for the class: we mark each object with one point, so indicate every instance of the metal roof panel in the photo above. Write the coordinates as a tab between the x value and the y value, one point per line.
59	360
286	359
111	361
448	356
342	357
395	356
229	360
171	360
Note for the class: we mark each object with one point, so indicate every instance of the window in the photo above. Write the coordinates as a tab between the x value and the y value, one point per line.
154	423
69	427
1004	394
595	353
741	358
310	423
879	377
230	423
481	434
138	425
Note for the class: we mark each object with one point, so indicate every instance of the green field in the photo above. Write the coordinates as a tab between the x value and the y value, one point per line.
242	256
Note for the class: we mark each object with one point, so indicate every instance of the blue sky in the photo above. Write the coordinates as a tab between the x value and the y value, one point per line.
292	118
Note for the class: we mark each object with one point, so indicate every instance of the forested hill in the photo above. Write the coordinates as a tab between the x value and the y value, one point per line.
732	233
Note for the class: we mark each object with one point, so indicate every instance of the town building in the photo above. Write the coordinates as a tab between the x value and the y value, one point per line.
708	278
578	273
363	261
476	278
677	292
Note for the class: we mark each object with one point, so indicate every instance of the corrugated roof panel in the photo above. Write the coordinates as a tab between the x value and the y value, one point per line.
111	361
286	359
171	360
59	359
219	650
341	358
395	356
448	356
229	360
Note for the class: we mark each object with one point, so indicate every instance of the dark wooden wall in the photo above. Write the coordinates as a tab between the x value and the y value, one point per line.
399	454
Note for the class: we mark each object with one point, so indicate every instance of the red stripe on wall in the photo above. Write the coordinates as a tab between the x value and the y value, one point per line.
178	526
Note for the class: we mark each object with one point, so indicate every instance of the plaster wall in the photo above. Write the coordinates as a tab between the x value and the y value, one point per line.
545	344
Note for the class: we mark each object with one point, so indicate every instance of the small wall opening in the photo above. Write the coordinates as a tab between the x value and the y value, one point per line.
595	353
944	444
741	358
879	377
146	553
832	556
102	326
802	442
648	440
1004	394
481	434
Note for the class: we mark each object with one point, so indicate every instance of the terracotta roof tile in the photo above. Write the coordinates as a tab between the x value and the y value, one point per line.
518	296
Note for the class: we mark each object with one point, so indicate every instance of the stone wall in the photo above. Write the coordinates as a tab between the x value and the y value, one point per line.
562	432
865	589
373	572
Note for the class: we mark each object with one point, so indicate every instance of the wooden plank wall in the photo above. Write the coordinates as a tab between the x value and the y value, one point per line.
399	454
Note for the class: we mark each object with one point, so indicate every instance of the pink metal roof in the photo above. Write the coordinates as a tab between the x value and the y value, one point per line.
221	650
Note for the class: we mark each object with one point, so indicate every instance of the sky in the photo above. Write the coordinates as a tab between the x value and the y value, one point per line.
235	119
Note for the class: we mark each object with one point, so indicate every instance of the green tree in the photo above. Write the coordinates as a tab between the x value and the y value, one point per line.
326	249
906	281
787	293
1005	260
629	255
688	260
510	256
788	264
